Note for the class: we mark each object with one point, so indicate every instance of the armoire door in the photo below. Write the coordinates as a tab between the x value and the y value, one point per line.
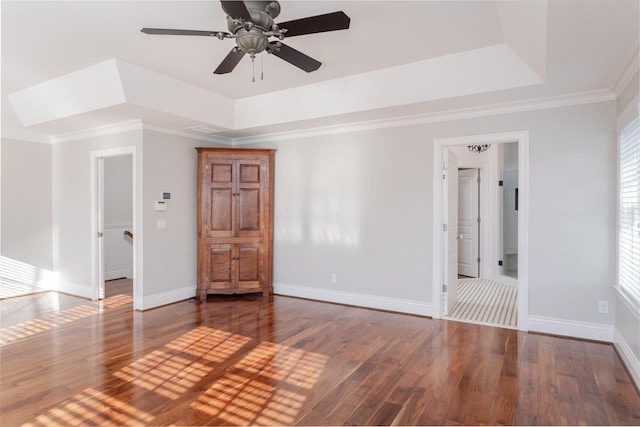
218	208
249	265
219	266
250	185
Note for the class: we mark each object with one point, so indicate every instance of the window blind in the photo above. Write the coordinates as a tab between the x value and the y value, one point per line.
629	212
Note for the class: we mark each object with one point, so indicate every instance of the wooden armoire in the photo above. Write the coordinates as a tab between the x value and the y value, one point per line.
235	221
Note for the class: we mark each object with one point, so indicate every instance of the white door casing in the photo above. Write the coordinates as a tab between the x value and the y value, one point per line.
450	207
97	221
468	227
440	146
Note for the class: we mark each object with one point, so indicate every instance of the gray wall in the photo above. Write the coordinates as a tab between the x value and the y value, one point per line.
26	203
627	318
359	205
170	255
72	251
118	195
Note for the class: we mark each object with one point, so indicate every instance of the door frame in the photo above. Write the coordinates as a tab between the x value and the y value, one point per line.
97	223
440	144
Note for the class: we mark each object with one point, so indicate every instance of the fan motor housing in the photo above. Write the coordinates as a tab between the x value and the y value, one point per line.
250	38
252	41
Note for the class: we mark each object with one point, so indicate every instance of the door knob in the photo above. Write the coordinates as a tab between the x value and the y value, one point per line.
460	236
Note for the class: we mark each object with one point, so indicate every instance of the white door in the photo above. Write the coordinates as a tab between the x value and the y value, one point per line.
451	232
468	235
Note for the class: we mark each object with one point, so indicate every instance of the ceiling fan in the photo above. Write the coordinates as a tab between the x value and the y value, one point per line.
251	24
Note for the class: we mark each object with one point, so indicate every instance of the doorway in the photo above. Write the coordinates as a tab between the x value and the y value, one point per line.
114	226
490	248
118	225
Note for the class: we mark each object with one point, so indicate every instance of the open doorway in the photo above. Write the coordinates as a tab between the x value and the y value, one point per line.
114	224
117	178
486	287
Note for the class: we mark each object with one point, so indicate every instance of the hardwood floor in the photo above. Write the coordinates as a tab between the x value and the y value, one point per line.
254	360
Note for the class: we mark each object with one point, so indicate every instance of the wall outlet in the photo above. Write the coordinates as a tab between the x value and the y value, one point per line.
603	306
334	278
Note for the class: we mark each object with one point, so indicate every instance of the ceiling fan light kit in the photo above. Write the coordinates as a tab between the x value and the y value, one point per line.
251	24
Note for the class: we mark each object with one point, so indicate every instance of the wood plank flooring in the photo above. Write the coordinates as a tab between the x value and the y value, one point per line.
285	361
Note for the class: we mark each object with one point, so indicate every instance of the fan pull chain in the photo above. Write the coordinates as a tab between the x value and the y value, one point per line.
253	66
262	67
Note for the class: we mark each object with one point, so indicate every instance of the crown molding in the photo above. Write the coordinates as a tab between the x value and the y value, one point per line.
132	125
9	132
627	75
111	129
441	116
207	138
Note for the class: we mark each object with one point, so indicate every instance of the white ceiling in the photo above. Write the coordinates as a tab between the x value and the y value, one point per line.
585	45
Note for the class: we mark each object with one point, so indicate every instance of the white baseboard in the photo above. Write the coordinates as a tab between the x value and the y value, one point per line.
73	289
630	359
349	298
164	298
116	274
571	328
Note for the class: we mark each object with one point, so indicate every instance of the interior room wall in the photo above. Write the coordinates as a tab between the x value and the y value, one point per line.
170	254
627	317
72	228
118	194
26	207
359	205
118	217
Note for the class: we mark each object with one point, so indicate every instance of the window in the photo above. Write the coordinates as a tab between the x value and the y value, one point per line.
629	212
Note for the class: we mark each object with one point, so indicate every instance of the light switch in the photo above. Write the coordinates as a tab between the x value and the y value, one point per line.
162	224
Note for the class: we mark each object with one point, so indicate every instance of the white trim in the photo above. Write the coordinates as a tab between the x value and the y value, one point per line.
630	359
132	125
627	75
10	132
114	226
522	137
73	289
196	136
571	328
627	115
632	305
440	116
110	129
96	267
164	298
117	274
351	298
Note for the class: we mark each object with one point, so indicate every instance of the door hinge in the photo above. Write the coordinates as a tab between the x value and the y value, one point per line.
478	220
500	263
444	288
500	183
444	227
100	234
444	170
478	260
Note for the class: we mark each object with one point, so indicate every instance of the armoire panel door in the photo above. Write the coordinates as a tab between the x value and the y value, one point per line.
249	265
220	266
220	214
250	186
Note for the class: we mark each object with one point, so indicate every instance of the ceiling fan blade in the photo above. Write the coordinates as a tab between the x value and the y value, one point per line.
293	56
171	32
236	9
229	62
316	24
